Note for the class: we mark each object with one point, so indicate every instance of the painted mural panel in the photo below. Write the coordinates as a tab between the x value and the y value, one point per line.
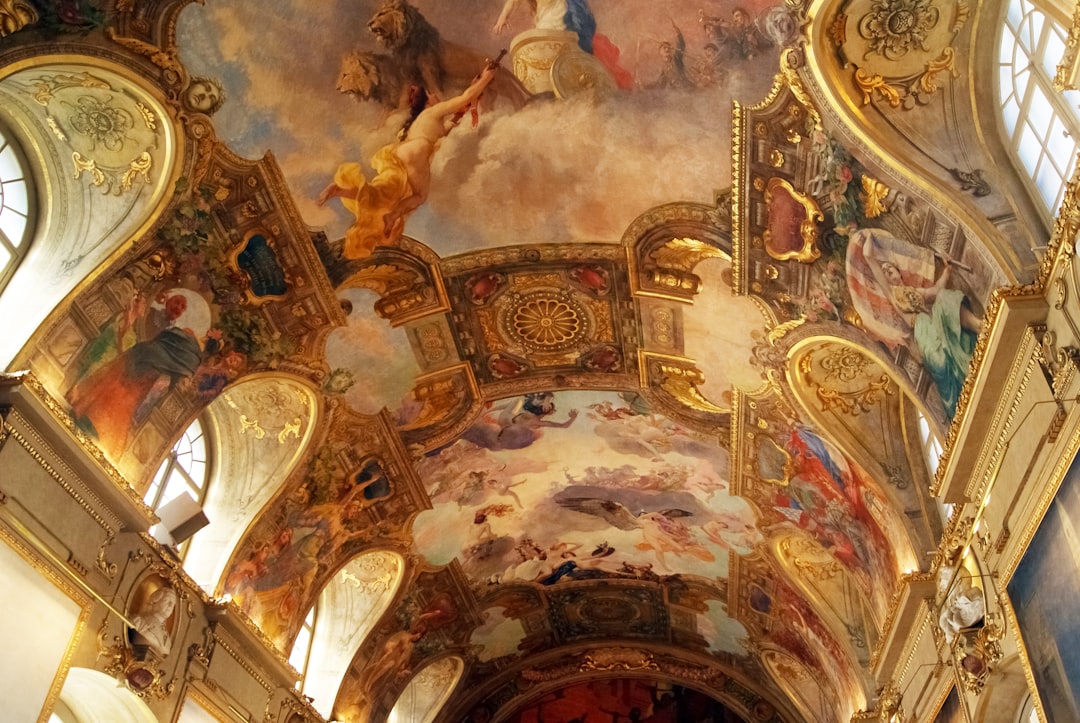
163	335
853	254
603	479
625	701
595	104
273	577
803	655
557	487
1049	573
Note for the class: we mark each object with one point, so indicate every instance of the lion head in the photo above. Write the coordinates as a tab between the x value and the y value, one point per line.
359	75
391	23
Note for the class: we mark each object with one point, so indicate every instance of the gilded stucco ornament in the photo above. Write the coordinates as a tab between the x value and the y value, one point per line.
845	380
144	677
670	267
889	708
1058	363
677	378
112	135
977	651
546	321
163	58
893	28
607	659
16	15
272	409
1069	67
810	559
152	624
899	49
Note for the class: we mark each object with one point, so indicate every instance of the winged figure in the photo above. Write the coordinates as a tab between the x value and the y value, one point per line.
661	530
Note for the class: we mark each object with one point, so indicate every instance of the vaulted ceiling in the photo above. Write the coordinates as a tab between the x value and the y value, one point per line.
635	393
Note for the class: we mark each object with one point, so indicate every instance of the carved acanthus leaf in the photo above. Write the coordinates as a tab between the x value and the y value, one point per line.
683	254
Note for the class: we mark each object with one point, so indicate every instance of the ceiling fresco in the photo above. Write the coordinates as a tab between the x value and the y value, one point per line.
616	355
541	171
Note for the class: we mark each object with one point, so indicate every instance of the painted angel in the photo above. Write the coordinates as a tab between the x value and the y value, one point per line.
662	531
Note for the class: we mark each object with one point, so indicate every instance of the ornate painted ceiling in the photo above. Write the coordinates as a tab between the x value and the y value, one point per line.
617	360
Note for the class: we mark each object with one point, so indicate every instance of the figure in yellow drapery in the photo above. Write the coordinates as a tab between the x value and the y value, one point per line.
402	172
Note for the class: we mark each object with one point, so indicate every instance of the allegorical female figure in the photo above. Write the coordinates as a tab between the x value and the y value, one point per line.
903	299
402	178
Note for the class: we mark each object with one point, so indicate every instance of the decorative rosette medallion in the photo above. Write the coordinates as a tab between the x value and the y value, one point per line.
544	321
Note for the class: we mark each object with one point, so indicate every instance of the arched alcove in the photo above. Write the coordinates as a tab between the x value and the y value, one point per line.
102	154
348	607
89	696
258	429
425	694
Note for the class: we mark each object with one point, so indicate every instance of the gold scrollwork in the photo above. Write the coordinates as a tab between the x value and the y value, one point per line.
844	363
870	82
977	652
779	331
895	90
16	15
854	402
944	62
683	254
789	69
1069	68
679	379
112	134
141	675
138	167
819	571
148	116
605	659
894	28
164	59
97	178
873	196
55	128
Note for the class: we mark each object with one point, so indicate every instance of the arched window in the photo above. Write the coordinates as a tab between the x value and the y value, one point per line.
1028	714
1042	125
347	609
184	472
275	417
930	445
426	693
16	198
301	651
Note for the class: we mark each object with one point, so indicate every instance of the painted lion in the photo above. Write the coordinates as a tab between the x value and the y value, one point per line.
419	56
373	76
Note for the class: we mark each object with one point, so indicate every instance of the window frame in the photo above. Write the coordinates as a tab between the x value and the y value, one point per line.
17	248
173	472
1040	24
308	627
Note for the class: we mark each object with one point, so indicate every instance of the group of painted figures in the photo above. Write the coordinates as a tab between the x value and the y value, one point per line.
402	170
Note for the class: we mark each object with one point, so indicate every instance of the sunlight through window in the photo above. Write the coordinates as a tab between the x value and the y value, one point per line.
184	471
15	201
930	445
1041	124
347	609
